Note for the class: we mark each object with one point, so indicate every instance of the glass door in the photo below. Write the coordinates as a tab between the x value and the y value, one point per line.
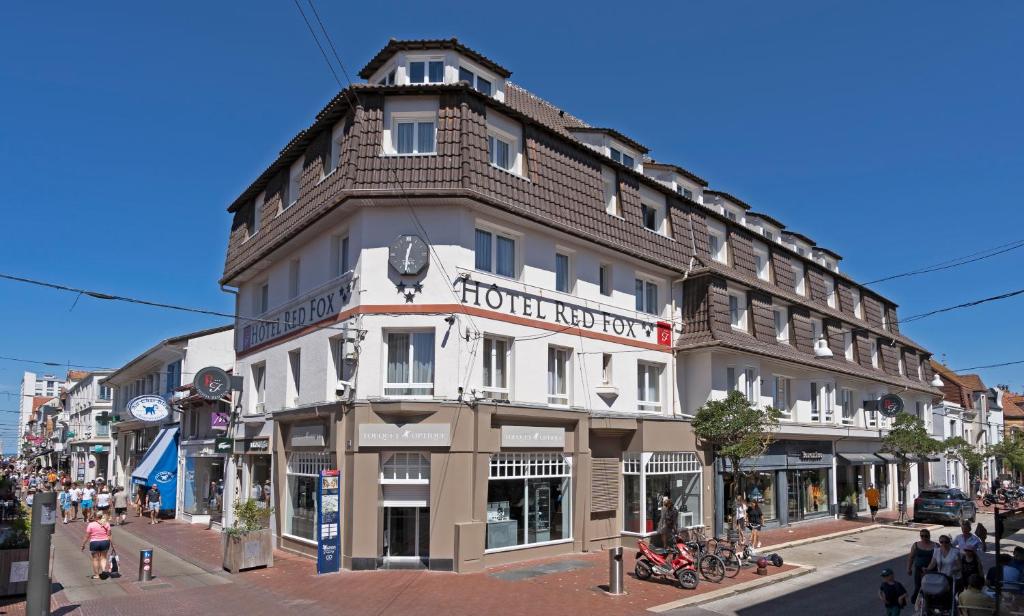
406	532
793	491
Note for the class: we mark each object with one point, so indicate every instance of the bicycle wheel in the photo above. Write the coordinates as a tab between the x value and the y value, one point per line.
731	561
712	568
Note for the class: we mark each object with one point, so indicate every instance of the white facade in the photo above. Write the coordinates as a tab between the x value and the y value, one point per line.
35	385
87	414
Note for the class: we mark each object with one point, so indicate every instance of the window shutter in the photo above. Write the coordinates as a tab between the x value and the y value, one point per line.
604	484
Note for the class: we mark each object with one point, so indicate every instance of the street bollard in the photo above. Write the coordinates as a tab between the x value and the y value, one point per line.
615	571
146	565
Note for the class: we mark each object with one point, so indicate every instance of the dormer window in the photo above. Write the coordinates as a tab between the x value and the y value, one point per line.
387	80
650	216
477	82
621	157
426	71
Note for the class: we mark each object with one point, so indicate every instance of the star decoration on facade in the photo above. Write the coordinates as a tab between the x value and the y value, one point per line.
400	286
418	286
409	297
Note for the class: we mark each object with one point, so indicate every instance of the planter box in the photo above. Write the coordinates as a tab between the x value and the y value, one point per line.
254	549
7	560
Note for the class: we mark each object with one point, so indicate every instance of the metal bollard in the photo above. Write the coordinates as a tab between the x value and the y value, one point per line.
615	571
146	565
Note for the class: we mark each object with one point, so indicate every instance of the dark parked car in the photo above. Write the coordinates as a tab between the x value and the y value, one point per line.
946	505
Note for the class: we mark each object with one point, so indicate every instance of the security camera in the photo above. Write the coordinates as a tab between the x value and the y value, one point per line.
449	319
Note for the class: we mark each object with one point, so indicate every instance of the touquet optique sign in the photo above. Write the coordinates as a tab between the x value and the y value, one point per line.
528	305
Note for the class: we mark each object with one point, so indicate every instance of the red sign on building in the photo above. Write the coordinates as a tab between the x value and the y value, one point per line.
664	334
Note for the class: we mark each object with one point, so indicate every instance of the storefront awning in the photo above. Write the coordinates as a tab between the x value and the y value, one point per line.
888	457
861	458
160	466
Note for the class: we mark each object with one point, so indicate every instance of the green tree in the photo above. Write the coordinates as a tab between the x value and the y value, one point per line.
1010	450
735	429
908	439
961	450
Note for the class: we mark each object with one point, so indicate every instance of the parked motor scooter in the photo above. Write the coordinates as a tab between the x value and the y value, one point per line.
676	563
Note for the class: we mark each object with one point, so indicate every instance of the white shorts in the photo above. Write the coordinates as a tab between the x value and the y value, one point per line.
154	506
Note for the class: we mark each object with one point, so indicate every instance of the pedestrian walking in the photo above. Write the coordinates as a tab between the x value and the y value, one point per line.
64	498
921	553
740	517
755	518
103	501
99	540
120	506
970	565
946	559
967	539
140	500
153	503
668	523
892	594
874	498
76	500
88	499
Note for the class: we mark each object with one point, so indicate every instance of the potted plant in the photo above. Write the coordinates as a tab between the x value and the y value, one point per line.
248	542
14	542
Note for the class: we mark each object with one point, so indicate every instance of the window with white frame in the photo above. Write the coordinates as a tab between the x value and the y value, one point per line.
648	386
738	310
781	325
414	133
621	157
761	262
649	216
848	345
410	364
830	291
340	255
649	476
731	382
606	368
563	273
605	279
337	136
294	385
815	402
303	473
529	499
874	352
827	402
257	211
716	244
858	308
426	71
495	253
816	328
388	79
799	283
500	152
263	298
404	467
496	361
558	376
612	204
750	390
846	400
294	185
780	396
646	295
476	81
259	387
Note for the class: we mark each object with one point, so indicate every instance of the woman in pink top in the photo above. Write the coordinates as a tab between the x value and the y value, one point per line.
97	537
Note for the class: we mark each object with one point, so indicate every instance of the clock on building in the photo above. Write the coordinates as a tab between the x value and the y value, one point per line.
408	254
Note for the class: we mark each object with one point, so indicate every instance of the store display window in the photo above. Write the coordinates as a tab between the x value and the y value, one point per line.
649	477
300	506
529	499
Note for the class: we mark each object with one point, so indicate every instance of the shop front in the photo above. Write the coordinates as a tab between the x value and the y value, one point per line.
859	465
202	484
304	452
89	461
792	482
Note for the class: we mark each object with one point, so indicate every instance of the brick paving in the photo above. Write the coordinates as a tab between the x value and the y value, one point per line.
293	586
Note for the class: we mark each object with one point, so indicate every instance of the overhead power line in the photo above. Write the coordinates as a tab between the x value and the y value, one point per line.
964	260
53	363
971	304
1005	363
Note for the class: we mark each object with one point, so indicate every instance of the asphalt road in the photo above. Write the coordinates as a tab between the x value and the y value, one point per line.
845	583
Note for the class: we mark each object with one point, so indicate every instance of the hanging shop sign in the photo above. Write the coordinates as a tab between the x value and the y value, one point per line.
219	420
149	408
529	436
414	435
528	305
890	405
223	445
212	383
328	539
319	305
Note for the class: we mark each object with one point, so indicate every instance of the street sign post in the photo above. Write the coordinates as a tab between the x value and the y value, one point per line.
328	558
44	523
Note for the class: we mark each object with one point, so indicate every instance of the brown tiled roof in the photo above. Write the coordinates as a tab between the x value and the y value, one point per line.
830	253
768	218
611	132
800	236
1013	405
952	389
972	382
677	169
540	110
395	45
718	193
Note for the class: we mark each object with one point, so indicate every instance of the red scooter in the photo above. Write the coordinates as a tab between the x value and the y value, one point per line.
676	563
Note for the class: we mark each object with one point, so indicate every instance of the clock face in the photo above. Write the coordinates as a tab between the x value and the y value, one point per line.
408	254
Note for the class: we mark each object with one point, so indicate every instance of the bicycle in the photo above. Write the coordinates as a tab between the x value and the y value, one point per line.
726	553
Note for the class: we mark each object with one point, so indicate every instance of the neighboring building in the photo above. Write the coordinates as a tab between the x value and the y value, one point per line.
203	466
146	451
87	413
501	353
35	386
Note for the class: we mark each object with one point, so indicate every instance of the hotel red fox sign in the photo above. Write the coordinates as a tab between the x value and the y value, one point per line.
557	312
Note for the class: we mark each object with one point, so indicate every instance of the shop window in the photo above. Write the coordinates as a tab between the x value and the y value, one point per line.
495	367
649	477
648	386
203	486
300	508
529	499
756	486
410	369
405	467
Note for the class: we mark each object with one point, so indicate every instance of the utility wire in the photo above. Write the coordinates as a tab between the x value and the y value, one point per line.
964	260
52	363
971	304
1008	363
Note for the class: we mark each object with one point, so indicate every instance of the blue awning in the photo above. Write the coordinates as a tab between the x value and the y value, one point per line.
160	466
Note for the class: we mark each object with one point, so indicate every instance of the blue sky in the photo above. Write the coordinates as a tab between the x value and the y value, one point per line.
890	133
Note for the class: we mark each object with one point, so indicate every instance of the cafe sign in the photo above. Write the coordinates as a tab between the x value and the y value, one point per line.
527	305
320	305
409	435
